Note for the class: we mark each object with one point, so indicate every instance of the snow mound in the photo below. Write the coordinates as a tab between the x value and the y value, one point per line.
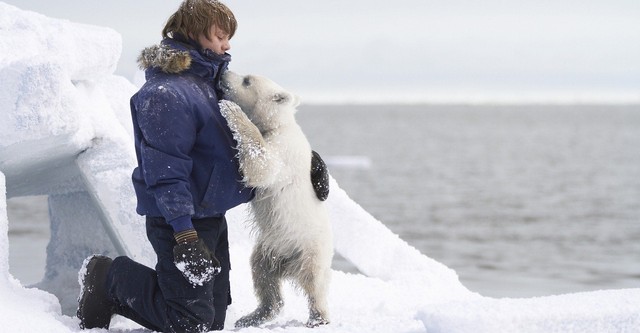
65	132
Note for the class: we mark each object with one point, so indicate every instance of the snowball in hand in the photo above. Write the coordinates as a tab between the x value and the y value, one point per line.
196	262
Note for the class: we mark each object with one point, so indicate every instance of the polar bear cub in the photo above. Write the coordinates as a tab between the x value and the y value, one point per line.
293	234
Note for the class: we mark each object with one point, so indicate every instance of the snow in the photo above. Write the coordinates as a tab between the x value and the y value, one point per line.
194	273
65	133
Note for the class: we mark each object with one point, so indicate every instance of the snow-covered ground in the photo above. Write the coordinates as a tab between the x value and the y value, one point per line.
64	132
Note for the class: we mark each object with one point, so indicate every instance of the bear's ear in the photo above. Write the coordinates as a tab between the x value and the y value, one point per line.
279	98
283	98
296	100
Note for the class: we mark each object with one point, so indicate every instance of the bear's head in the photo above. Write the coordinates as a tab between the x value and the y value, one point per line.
267	105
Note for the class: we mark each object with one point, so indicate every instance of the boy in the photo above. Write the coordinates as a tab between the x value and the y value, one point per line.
187	178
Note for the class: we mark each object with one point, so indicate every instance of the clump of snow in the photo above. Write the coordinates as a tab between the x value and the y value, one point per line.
58	99
42	57
194	276
82	274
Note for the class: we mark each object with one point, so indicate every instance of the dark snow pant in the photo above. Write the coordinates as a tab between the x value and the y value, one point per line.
162	299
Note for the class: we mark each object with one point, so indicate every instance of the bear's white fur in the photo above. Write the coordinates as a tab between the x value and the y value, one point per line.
293	234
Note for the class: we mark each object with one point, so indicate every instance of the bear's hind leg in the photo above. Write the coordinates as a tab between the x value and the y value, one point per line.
267	284
315	285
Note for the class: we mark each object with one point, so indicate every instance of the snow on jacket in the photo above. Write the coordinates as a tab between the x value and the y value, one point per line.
186	159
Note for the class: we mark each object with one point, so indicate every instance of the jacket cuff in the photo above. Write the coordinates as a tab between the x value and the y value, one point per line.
182	223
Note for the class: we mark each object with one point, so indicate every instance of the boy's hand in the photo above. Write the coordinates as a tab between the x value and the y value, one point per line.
194	259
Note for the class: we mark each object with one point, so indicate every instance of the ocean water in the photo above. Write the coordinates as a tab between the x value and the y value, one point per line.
520	200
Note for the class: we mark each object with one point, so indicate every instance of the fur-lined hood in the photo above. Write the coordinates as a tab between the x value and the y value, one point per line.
175	56
168	59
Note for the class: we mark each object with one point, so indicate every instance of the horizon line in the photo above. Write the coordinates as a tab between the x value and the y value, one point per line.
473	98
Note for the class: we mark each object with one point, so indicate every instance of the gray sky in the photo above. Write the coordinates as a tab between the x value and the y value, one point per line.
408	50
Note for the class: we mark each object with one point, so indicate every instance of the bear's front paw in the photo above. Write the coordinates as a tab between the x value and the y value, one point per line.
236	119
228	108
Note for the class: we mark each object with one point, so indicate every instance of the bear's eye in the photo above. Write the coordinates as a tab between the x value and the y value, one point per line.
246	82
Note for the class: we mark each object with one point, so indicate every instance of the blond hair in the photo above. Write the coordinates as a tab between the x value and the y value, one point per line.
195	17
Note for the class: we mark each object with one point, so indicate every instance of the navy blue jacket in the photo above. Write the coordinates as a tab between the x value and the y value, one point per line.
186	158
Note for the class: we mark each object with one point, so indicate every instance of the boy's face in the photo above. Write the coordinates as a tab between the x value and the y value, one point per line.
218	42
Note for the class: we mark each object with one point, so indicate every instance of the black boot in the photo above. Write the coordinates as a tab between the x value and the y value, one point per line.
94	307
